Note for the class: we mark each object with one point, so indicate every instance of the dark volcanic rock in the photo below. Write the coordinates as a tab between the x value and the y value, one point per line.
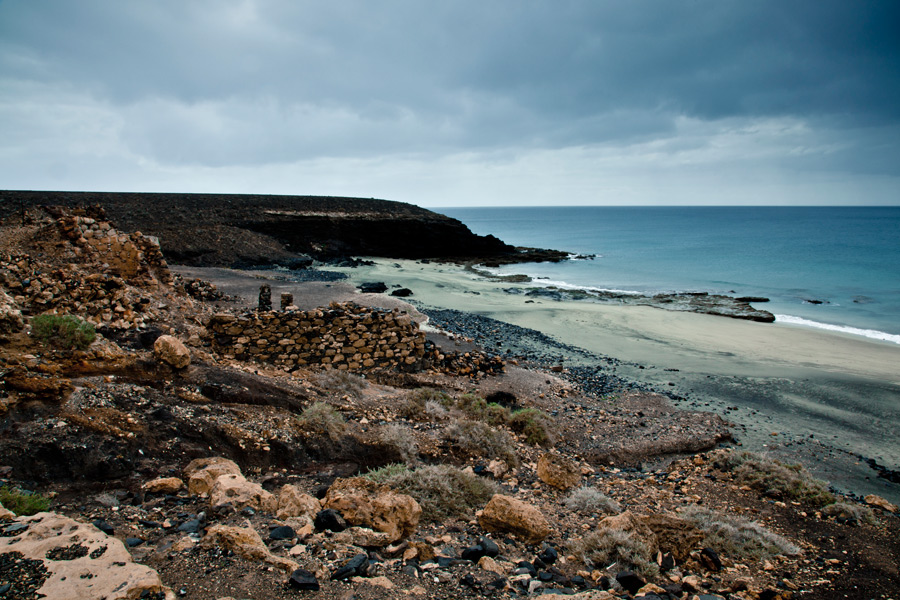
402	293
377	287
301	579
260	230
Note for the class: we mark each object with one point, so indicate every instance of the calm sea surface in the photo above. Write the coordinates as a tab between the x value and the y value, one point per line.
846	258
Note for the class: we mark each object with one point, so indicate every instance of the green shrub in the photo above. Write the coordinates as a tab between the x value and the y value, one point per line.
737	537
341	382
536	425
587	500
852	514
63	331
480	440
442	491
321	418
601	548
777	479
22	503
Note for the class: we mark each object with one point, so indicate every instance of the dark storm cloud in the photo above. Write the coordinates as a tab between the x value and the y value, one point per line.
241	83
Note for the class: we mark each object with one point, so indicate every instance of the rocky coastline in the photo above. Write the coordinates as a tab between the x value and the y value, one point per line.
162	465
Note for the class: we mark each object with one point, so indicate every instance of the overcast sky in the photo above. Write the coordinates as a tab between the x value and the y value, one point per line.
456	102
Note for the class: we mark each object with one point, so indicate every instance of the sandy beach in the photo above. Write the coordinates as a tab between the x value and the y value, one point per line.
827	399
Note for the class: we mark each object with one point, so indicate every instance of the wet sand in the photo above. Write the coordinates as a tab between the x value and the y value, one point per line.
826	399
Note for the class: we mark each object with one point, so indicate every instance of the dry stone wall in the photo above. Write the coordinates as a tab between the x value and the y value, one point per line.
342	336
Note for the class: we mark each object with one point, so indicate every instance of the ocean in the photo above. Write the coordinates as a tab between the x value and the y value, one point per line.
832	268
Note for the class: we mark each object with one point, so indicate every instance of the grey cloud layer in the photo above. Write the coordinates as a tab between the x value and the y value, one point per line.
224	83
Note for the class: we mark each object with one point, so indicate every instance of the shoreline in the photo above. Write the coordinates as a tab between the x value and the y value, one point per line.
827	399
832	400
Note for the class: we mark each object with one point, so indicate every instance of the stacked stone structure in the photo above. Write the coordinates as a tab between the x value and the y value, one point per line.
342	336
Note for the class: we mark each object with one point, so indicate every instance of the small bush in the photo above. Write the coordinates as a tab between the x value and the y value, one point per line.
480	440
24	504
402	440
777	479
537	426
415	405
606	546
852	514
590	501
442	491
341	382
436	411
63	331
736	537
322	419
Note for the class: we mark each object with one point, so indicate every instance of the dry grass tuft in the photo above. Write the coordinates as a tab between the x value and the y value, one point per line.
322	419
590	501
442	491
480	440
736	537
606	547
777	479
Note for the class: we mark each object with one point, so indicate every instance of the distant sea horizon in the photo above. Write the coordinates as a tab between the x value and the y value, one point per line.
834	268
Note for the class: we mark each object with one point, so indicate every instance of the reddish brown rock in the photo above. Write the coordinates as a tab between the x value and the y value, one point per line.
364	502
558	471
202	473
163	485
504	514
245	542
234	489
172	351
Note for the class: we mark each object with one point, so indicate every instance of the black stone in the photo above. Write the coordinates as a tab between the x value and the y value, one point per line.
355	566
301	579
473	553
711	559
631	581
377	287
526	567
402	293
282	533
666	562
469	581
330	520
545	576
191	526
133	542
104	526
548	555
491	549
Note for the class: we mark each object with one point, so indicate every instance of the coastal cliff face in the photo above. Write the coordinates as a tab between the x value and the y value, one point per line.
243	230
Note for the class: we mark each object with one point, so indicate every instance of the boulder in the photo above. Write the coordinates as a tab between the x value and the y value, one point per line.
202	473
69	559
377	287
245	542
234	489
172	351
629	522
294	503
163	485
363	502
504	514
879	502
558	471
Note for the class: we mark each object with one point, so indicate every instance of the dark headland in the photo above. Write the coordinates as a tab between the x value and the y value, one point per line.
176	442
241	230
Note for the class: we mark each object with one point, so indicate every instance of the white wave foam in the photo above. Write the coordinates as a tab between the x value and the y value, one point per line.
869	333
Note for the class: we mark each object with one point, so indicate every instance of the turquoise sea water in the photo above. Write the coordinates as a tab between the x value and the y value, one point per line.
847	258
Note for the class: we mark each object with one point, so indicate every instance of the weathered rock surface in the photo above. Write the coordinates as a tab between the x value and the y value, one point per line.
163	485
504	514
234	489
10	316
202	473
245	542
68	559
558	471
878	501
172	351
363	502
363	537
294	503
